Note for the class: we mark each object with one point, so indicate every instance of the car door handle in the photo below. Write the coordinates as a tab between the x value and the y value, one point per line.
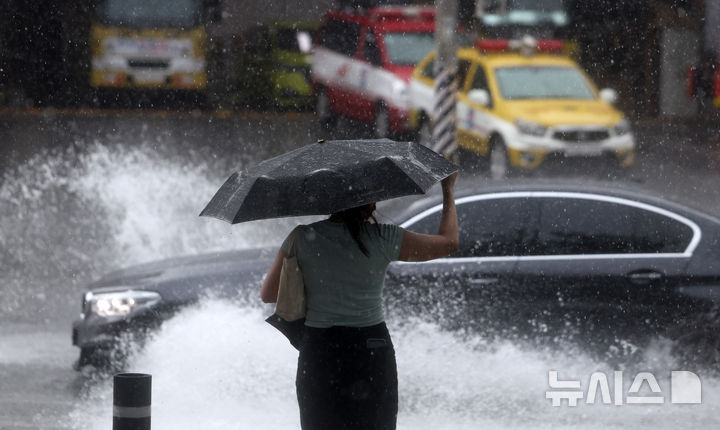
483	281
645	276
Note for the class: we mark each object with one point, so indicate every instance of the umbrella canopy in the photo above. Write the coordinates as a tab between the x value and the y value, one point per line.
327	177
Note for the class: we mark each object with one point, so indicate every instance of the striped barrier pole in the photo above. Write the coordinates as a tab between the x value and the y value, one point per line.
444	112
445	90
131	401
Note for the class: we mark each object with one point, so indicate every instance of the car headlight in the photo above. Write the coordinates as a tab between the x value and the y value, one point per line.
621	128
119	303
530	128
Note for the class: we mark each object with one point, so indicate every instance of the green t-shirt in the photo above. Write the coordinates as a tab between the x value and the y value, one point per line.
343	287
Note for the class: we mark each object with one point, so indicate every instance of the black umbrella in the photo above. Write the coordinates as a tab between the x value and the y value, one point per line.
327	177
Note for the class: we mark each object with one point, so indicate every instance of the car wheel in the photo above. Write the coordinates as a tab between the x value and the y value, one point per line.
382	122
323	110
424	136
93	357
499	161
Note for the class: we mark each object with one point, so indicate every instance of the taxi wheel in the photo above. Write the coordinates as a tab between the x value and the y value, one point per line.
424	136
382	122
499	161
323	110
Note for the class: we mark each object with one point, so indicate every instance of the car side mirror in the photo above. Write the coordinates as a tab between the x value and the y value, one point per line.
608	95
481	97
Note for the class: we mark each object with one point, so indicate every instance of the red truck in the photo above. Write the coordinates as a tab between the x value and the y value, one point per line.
362	63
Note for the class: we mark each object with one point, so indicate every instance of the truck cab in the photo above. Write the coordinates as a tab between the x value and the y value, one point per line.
160	45
362	63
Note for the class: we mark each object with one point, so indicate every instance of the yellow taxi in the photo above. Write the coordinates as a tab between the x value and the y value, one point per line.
522	103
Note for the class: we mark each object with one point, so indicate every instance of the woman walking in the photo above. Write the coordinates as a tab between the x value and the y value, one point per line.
347	375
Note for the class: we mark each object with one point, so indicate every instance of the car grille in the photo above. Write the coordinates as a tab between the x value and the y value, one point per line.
581	136
148	64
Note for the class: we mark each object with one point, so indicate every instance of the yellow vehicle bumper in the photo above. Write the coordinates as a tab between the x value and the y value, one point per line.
532	159
124	79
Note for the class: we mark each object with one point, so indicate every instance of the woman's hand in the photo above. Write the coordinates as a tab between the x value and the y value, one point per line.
448	184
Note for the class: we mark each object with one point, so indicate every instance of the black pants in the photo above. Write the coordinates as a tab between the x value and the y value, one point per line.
347	379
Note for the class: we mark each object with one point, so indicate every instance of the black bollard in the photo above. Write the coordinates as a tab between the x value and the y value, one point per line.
131	401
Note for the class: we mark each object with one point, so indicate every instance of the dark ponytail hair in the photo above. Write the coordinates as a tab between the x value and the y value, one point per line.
354	219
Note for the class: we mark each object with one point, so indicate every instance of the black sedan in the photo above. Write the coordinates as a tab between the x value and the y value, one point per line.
537	262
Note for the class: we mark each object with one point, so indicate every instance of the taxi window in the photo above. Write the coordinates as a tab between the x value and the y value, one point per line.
479	81
462	71
542	82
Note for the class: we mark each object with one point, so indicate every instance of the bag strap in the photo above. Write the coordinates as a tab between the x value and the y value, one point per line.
292	242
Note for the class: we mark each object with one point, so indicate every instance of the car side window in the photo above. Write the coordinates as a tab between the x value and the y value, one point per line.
488	228
371	49
462	72
479	81
570	226
340	36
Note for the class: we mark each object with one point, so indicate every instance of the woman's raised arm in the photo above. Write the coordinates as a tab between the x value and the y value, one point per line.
423	247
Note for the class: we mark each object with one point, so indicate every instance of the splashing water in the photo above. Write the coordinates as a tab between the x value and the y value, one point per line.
242	377
69	215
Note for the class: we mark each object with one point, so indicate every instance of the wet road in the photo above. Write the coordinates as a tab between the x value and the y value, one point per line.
38	388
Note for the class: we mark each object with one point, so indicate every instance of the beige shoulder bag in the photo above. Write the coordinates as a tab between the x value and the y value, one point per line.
290	304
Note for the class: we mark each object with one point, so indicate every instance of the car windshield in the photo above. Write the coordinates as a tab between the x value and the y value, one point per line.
407	49
544	82
149	14
514	16
536	5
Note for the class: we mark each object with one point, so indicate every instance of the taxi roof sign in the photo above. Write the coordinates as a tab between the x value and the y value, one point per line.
527	46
